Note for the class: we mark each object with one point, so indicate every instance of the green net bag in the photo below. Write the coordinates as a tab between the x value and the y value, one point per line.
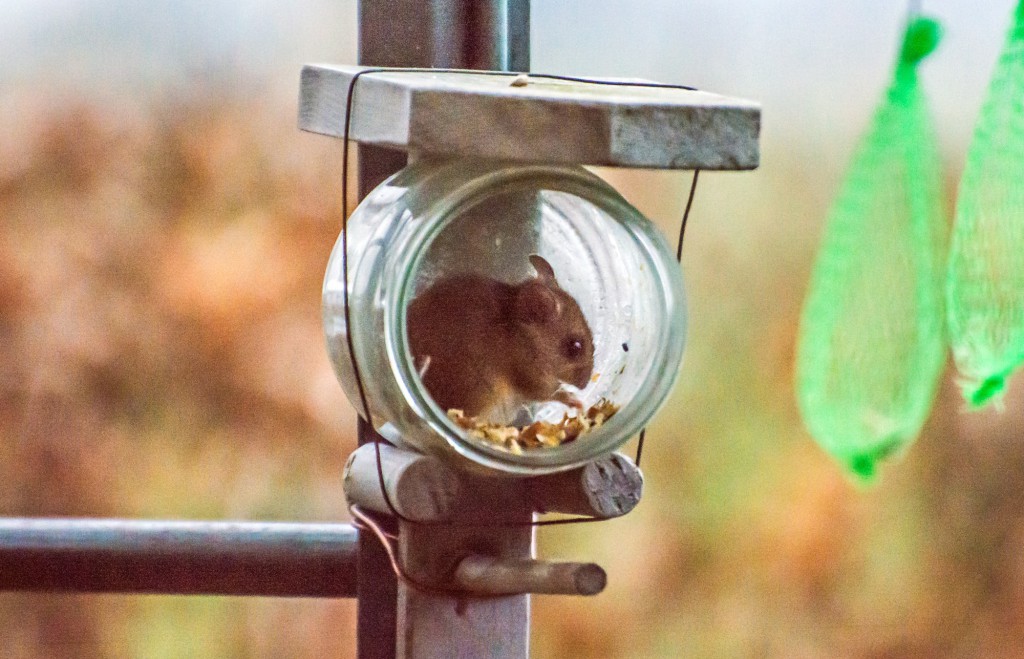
871	346
986	263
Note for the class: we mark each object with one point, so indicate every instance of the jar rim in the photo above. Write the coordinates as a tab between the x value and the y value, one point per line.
408	258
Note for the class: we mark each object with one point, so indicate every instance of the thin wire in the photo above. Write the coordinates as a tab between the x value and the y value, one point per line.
344	256
364	521
530	76
610	83
345	284
686	216
679	258
640	445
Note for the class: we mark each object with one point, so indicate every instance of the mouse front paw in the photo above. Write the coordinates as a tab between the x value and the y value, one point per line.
568	399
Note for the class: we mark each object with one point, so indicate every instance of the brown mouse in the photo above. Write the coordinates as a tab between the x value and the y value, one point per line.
487	347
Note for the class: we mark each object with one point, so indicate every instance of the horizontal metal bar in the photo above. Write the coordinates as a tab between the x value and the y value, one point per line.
180	558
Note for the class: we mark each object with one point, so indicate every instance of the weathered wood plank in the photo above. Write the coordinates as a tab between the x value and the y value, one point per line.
431	625
485	116
469	628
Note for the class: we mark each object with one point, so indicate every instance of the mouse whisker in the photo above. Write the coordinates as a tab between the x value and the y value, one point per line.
421	369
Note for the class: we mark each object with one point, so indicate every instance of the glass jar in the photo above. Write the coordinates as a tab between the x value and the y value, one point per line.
442	218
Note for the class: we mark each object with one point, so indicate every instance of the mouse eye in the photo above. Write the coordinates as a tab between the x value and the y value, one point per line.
572	347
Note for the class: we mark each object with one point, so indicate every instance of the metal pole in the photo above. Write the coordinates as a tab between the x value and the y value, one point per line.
461	34
178	558
469	34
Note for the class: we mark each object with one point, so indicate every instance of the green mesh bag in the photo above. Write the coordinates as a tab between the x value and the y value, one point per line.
986	264
871	345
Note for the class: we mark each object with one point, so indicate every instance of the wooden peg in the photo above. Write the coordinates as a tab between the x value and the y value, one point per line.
421	487
488	575
607	487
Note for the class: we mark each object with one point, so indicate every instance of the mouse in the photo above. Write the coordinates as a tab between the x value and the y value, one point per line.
488	347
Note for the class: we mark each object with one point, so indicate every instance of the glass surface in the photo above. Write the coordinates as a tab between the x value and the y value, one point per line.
478	224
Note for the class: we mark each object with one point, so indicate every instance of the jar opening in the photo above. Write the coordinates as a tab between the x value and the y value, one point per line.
473	256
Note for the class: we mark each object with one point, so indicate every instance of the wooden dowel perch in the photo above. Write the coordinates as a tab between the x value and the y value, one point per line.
451	513
607	487
495	576
425	489
420	487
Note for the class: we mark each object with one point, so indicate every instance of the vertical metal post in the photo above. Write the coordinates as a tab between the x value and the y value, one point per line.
458	34
469	34
376	588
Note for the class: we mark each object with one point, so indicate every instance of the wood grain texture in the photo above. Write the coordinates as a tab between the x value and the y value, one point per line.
607	487
496	576
470	628
485	116
482	558
420	487
465	626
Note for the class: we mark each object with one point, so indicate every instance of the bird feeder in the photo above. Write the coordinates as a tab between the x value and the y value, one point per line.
494	290
495	183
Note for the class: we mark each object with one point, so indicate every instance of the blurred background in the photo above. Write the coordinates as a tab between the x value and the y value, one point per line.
163	234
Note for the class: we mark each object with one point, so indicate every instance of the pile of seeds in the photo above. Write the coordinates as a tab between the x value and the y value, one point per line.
539	434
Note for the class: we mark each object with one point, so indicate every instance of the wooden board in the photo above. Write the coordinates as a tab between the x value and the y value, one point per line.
484	115
430	625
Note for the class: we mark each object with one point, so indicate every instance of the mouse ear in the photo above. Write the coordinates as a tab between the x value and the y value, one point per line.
536	303
545	272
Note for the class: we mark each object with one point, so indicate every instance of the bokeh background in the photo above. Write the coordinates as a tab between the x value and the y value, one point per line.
163	234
